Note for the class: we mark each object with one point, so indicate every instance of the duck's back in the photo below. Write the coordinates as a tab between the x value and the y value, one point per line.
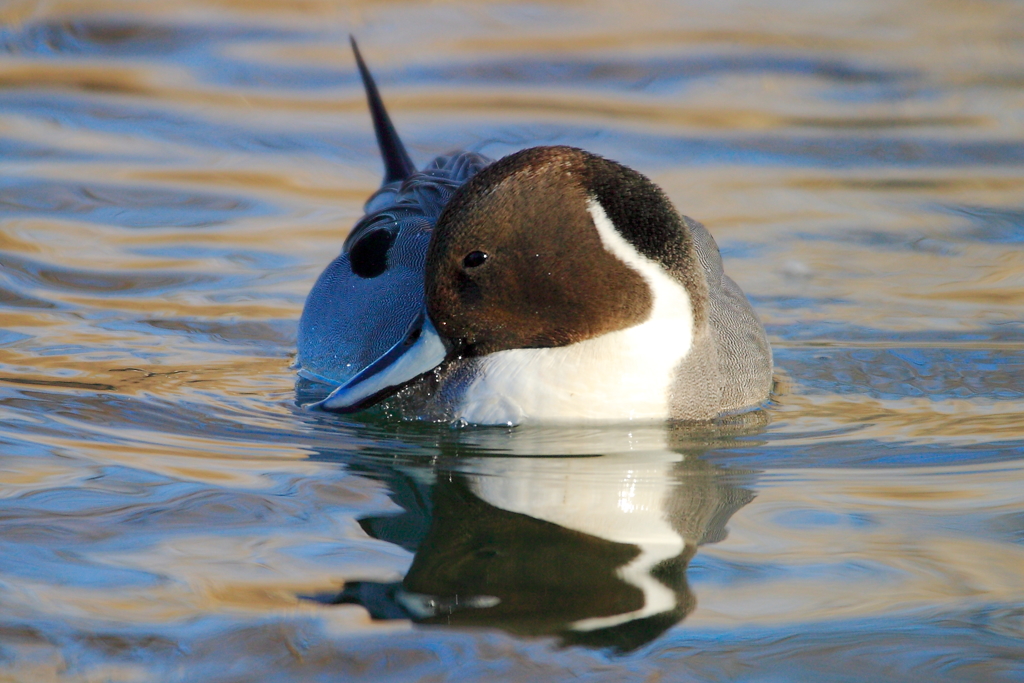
730	366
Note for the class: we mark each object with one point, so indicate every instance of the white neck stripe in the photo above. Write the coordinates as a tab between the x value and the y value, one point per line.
671	300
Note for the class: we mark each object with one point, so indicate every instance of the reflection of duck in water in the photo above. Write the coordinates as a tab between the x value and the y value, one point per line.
591	549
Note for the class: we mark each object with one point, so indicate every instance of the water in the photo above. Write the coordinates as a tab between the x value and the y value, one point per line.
176	175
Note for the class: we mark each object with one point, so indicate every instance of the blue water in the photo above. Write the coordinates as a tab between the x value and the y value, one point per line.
176	176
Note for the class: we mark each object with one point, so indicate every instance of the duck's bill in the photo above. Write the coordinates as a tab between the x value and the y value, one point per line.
419	352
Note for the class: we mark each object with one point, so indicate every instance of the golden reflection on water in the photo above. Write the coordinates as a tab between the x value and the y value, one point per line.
920	420
297	184
922	566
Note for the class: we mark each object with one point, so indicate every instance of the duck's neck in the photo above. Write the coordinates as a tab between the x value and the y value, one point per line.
622	375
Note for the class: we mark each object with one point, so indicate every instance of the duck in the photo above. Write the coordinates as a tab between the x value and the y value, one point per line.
551	285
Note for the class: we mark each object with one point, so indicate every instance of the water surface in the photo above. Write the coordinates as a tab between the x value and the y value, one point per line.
176	175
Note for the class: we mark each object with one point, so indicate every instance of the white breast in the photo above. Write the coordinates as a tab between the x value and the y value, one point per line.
624	375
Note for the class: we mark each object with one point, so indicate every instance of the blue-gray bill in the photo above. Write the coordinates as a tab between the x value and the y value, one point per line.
419	352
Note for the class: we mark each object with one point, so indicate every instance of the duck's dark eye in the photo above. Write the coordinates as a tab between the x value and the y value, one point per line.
474	259
369	256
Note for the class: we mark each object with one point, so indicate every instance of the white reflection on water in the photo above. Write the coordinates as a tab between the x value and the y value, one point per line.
544	546
176	175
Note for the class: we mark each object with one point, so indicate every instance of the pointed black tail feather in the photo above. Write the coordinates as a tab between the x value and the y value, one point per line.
397	164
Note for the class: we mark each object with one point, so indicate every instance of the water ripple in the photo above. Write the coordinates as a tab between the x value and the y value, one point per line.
175	178
129	207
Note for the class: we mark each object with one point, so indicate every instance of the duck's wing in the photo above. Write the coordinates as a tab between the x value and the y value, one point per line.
740	354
